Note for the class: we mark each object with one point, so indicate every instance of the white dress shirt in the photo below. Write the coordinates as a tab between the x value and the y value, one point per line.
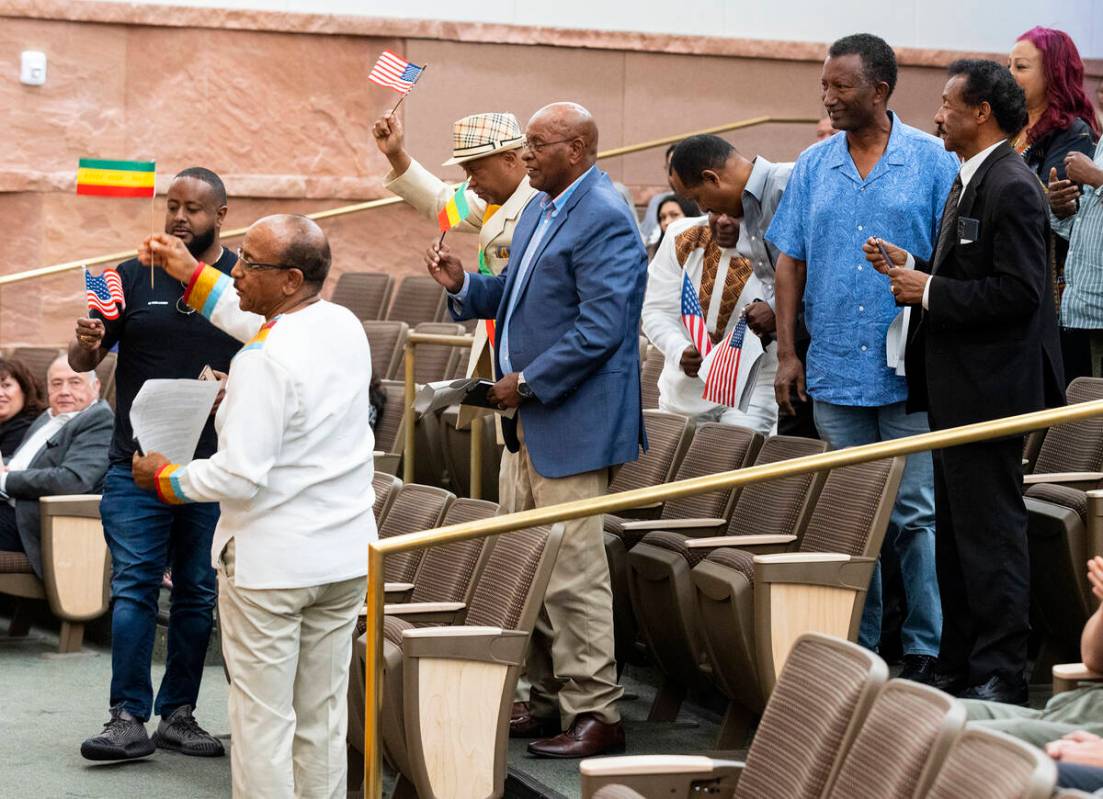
30	447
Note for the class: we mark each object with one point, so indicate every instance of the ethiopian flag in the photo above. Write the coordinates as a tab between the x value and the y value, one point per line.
116	178
455	210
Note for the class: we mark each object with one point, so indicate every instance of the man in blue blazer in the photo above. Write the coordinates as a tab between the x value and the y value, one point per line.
567	311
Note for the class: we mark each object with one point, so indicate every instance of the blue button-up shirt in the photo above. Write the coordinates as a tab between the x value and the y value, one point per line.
1082	302
549	210
826	214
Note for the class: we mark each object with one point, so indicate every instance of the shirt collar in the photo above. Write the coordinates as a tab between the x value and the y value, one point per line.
756	182
561	201
970	167
893	150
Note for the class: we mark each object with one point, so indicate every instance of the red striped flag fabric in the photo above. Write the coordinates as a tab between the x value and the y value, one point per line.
104	293
721	383
694	318
395	72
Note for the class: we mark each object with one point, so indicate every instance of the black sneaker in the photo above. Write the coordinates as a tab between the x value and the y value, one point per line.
918	668
180	732
123	738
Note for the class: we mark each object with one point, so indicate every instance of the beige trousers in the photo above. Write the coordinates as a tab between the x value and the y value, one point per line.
570	665
287	652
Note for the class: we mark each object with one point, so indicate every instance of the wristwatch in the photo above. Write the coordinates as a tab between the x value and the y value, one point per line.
524	390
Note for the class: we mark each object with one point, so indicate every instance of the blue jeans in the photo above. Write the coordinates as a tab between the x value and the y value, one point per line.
911	527
145	537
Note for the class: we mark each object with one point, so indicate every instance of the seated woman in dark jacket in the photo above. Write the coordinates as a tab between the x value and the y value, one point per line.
21	401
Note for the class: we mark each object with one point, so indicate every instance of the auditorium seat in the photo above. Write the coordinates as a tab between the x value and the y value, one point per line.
448	572
985	764
418	299
106	374
649	377
447	691
385	487
390	426
822	694
456	449
366	294
1061	533
714	448
668	436
414	508
76	579
752	607
432	362
900	744
388	342
37	360
659	568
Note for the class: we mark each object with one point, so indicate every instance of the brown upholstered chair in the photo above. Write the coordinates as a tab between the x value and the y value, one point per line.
455	444
418	299
900	745
447	691
37	360
436	361
433	362
649	378
106	374
714	448
76	579
414	508
985	764
366	294
385	487
752	607
390	428
387	341
1062	533
659	568
667	437
822	695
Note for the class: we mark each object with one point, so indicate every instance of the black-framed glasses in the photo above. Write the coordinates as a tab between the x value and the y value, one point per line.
538	146
254	265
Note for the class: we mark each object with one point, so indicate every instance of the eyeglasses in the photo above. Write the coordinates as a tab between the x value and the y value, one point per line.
253	265
538	146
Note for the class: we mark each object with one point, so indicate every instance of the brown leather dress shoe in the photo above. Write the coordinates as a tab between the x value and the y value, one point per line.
587	737
523	724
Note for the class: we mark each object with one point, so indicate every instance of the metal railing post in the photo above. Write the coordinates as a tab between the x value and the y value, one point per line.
373	686
476	458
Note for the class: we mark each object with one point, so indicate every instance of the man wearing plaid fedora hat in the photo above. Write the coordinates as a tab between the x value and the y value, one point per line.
488	147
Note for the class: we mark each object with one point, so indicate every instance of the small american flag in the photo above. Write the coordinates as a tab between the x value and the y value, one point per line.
104	293
395	72
694	318
721	383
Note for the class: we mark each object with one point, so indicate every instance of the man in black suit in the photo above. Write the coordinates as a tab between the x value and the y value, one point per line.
982	344
64	452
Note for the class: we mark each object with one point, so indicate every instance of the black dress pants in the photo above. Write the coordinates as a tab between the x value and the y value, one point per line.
9	532
982	559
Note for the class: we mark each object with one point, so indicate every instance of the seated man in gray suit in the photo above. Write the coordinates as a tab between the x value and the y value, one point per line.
64	452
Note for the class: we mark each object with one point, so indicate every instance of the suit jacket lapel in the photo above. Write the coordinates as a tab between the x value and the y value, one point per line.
968	198
509	211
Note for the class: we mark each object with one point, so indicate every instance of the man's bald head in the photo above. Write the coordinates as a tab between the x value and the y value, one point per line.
570	121
301	244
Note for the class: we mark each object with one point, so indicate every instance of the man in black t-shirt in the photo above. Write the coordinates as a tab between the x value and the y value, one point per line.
158	336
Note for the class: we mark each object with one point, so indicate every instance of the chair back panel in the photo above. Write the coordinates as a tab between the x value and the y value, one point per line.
434	362
854	503
364	293
985	764
445	572
777	507
388	428
419	298
385	486
386	340
715	448
1076	446
666	433
415	508
826	685
649	378
499	598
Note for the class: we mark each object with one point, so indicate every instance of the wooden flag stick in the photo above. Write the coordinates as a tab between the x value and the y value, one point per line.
403	97
152	226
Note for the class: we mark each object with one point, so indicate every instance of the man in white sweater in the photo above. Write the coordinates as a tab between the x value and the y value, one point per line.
293	474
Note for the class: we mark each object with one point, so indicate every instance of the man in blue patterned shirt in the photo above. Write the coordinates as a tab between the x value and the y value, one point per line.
878	177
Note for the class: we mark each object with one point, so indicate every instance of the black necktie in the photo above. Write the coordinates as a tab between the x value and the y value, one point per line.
949	223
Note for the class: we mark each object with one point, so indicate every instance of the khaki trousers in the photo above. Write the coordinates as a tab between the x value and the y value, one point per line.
287	653
570	665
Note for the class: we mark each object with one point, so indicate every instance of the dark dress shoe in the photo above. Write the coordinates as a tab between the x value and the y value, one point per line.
918	668
523	724
1000	689
949	682
587	737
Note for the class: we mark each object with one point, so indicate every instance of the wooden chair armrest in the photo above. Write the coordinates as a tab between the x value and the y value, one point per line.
397	592
1085	480
485	644
84	505
675	524
1067	675
653	764
427	612
741	541
830	569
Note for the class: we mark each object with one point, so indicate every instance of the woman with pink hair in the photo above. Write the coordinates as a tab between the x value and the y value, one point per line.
1047	65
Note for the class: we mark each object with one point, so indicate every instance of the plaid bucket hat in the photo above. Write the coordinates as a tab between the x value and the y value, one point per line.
480	135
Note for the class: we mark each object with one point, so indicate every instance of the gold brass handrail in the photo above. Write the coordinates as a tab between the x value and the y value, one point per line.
123	255
611	503
412	341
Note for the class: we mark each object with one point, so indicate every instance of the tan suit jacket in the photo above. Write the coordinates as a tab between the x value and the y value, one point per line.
429	194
